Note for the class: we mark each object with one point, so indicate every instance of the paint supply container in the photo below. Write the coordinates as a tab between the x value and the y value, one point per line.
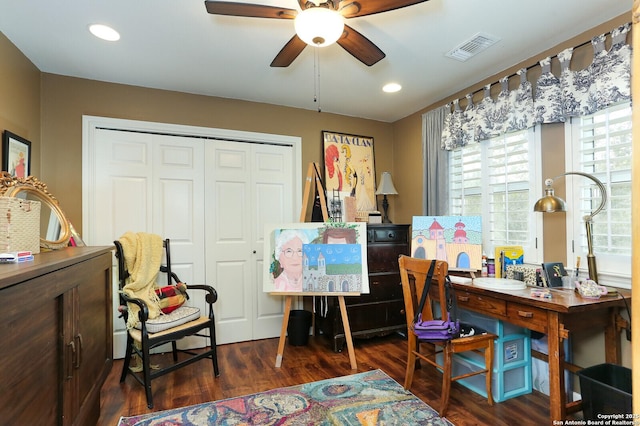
491	268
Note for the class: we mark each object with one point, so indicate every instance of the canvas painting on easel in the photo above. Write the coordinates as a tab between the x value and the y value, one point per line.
454	239
324	258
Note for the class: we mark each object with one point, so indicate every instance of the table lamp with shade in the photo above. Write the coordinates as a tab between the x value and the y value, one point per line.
386	188
550	203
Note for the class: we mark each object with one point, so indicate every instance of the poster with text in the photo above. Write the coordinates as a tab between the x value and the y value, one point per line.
349	170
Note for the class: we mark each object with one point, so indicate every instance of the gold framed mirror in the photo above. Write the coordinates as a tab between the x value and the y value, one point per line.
55	229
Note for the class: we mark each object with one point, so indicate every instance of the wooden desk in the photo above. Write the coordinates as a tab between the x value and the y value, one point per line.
565	313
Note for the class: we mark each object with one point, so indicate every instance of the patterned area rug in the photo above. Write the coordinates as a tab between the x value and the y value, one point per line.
370	398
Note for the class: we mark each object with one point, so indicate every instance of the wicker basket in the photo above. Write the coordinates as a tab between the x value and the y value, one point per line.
19	225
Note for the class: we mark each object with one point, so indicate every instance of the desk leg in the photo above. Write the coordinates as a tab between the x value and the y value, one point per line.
557	394
612	342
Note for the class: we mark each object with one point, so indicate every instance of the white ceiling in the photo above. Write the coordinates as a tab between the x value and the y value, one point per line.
176	45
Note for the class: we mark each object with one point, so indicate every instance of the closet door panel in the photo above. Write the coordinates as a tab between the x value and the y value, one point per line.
273	204
178	211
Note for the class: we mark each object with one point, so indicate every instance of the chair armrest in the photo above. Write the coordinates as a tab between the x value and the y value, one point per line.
212	294
143	313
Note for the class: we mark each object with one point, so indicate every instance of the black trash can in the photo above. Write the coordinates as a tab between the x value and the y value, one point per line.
298	327
605	389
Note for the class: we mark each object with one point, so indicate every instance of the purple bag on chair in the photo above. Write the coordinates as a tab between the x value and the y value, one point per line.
436	329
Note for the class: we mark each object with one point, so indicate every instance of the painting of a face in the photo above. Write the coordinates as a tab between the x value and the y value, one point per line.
291	257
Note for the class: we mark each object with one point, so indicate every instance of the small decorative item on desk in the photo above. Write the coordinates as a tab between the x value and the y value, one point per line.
541	293
525	272
553	273
589	289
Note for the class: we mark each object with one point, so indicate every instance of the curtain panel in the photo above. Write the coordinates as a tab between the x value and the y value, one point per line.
435	160
606	81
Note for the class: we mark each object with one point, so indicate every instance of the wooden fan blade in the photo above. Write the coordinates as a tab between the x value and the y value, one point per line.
360	47
248	10
351	9
289	52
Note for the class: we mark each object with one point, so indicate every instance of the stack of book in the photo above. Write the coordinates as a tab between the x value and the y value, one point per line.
16	257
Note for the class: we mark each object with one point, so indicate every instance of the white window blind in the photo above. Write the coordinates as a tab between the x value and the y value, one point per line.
496	179
601	144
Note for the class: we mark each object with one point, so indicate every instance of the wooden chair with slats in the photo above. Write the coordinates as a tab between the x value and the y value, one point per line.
414	273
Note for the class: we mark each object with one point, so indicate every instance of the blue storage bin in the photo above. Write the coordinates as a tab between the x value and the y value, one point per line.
506	383
511	375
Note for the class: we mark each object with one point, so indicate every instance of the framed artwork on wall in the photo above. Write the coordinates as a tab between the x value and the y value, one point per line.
349	169
16	155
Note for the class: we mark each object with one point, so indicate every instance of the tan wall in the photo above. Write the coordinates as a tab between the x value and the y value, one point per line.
20	97
65	100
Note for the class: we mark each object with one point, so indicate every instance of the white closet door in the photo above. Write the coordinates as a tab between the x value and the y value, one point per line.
210	196
152	183
248	185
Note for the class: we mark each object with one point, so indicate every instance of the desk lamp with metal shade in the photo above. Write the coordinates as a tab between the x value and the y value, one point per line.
386	188
550	203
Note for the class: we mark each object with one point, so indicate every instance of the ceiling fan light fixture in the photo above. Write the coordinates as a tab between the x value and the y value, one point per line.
319	26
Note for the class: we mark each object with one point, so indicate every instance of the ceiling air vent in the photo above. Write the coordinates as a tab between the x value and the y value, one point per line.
472	47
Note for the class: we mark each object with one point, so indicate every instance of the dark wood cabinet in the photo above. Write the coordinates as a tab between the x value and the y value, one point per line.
56	330
381	311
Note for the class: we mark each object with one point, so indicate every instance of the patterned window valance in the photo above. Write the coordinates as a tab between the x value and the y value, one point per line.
606	81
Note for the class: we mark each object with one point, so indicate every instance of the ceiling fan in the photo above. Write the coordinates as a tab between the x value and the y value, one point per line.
335	11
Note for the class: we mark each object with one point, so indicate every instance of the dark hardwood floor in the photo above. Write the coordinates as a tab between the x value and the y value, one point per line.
249	367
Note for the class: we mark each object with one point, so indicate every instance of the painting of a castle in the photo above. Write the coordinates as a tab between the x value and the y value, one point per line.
332	268
454	239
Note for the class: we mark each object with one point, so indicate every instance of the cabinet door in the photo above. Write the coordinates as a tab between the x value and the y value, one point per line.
29	332
87	339
69	344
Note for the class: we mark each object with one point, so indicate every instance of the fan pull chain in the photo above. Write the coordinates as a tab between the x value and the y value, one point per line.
316	77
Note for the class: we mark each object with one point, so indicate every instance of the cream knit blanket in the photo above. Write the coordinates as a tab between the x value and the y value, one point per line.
143	257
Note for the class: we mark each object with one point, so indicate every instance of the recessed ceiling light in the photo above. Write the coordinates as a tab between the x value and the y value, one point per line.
104	32
391	88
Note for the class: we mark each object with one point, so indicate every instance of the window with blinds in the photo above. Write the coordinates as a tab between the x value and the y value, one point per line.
497	179
600	144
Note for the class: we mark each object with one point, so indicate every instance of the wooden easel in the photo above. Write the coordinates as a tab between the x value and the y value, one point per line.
345	323
314	175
